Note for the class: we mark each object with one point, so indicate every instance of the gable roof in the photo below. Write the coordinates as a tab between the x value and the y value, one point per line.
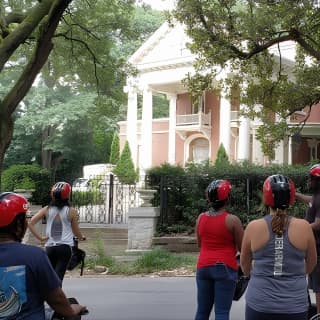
167	46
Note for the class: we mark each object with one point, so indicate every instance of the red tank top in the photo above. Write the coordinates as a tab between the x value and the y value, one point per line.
217	242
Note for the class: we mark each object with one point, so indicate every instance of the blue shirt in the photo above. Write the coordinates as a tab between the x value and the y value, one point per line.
26	279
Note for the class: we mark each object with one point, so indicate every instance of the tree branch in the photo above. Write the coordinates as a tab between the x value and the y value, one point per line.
41	52
23	31
95	60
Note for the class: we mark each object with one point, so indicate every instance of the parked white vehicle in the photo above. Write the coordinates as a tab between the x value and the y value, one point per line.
81	184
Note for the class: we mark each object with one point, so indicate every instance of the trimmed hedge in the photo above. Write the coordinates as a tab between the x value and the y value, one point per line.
183	190
28	177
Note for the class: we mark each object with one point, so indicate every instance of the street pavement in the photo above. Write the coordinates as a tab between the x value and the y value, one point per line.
139	298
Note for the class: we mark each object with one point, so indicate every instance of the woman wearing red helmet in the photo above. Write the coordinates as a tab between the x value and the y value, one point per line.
313	217
61	227
27	277
219	236
277	252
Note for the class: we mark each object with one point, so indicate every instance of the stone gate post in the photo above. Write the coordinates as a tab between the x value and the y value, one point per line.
142	222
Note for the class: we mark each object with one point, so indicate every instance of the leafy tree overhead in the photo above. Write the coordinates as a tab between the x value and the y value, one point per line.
37	23
69	30
89	49
250	38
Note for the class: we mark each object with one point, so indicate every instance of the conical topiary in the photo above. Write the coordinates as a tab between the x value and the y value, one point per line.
125	169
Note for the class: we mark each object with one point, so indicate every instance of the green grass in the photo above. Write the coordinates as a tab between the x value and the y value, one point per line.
158	260
152	261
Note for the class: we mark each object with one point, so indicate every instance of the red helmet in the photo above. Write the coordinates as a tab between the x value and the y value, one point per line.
315	171
61	191
218	190
278	192
11	204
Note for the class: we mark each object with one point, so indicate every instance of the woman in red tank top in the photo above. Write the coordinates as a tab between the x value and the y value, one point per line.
219	236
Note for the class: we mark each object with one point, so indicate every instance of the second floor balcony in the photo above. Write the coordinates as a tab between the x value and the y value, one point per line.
195	119
196	122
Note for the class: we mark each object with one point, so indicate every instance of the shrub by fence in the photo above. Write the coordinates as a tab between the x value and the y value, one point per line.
181	192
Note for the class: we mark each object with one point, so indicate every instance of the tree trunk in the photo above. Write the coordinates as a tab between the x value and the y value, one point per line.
6	132
45	16
46	155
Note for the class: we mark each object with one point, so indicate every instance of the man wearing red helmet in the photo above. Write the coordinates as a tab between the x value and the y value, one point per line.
313	217
27	277
61	228
219	235
278	251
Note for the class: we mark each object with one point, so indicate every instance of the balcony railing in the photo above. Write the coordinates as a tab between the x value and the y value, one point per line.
234	116
194	119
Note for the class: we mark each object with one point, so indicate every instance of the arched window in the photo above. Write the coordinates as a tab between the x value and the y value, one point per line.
199	150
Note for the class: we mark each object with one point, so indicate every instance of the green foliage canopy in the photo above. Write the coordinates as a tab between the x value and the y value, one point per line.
238	35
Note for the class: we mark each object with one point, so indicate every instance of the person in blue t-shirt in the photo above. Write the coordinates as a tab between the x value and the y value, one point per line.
27	279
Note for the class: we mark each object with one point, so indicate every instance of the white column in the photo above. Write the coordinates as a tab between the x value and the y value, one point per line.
146	132
290	150
225	117
244	138
132	123
172	130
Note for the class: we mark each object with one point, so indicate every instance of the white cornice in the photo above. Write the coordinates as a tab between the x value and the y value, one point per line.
150	43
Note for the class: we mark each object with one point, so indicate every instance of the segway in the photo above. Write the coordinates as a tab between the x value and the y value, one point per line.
52	315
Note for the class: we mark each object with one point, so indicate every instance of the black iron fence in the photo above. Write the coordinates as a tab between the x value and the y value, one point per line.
182	199
104	199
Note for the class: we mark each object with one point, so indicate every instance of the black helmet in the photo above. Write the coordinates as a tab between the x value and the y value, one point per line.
218	192
278	192
61	191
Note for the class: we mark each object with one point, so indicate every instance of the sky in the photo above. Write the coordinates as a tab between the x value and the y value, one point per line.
160	4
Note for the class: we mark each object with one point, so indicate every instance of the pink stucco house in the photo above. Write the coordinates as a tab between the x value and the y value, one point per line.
194	131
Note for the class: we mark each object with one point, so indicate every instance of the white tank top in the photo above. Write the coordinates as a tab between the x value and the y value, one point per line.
59	231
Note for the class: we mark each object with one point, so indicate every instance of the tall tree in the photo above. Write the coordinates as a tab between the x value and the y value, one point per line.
31	30
91	46
250	38
38	23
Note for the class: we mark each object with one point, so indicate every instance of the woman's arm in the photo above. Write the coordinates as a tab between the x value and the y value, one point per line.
234	224
311	253
246	253
58	301
34	220
74	217
303	197
197	231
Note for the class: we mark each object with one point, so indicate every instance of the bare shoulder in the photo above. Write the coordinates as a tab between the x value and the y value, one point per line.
301	223
73	211
200	215
233	218
255	224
